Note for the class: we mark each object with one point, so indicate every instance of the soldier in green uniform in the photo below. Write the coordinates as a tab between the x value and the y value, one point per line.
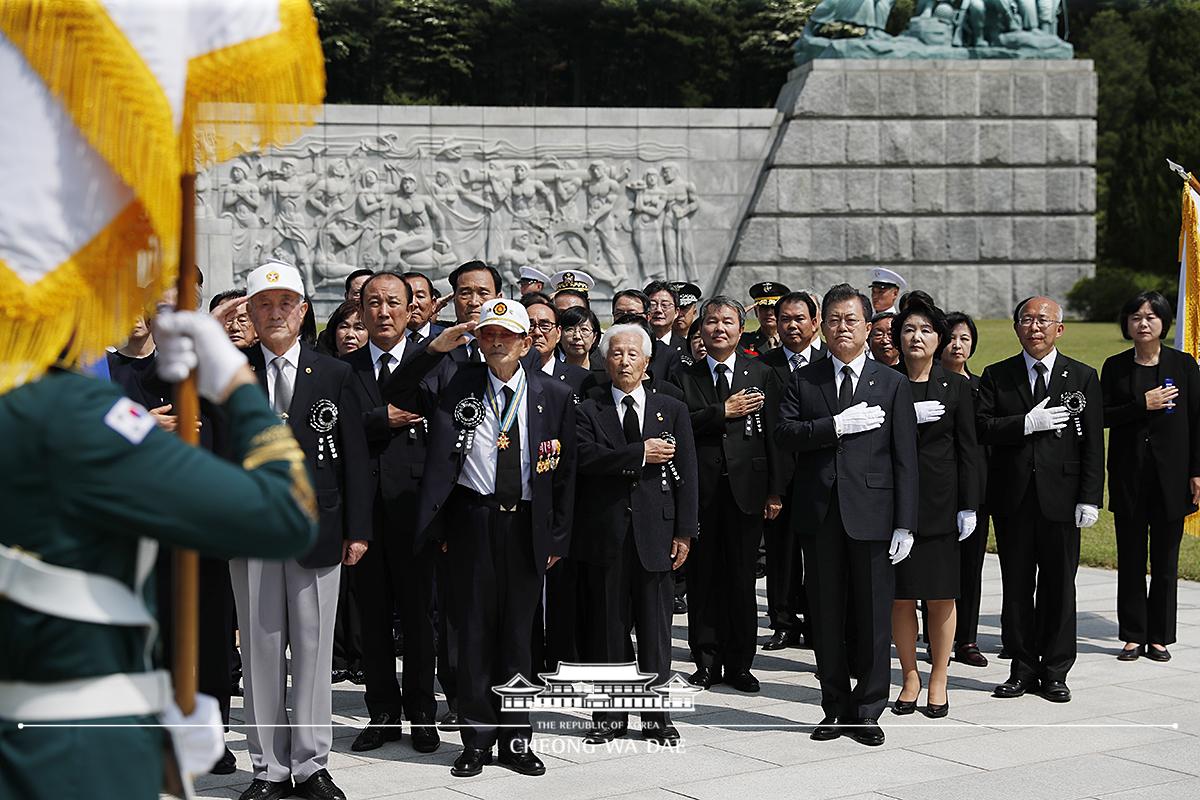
90	484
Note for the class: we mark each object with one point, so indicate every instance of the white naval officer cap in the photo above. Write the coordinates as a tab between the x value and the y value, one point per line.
886	277
532	274
506	313
274	275
575	279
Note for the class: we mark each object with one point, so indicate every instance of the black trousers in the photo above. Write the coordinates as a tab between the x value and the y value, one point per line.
624	596
1141	617
851	585
722	605
970	552
1038	562
561	621
786	600
391	575
495	589
447	632
347	631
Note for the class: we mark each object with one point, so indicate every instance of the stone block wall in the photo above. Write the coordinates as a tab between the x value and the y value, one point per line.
975	180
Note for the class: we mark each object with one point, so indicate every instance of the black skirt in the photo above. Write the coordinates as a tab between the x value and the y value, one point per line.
931	571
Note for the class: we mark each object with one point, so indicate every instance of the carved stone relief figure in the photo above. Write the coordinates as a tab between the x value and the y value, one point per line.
240	201
681	206
415	237
523	253
523	195
603	193
648	205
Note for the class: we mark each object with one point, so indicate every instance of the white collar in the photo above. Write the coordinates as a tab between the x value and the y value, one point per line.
396	352
1048	361
513	383
712	363
292	356
638	395
856	366
424	329
665	338
548	367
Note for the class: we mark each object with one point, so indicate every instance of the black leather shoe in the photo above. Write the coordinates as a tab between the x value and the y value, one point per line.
450	721
470	762
1056	691
379	730
338	675
662	734
1003	655
679	606
357	677
226	766
1130	654
904	707
705	677
1154	654
319	786
866	731
1014	688
969	654
781	639
424	735
266	790
827	730
743	681
605	732
937	711
523	763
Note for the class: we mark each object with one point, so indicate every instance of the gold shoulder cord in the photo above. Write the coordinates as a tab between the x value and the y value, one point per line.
276	443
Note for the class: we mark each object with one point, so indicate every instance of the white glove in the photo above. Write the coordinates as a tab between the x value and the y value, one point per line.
966	524
929	411
198	739
189	340
902	544
1086	515
859	419
1041	418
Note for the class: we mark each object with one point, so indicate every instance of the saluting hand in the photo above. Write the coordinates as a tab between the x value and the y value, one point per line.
452	337
659	451
740	404
679	551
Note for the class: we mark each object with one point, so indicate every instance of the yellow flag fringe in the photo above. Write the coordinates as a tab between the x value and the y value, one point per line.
1188	313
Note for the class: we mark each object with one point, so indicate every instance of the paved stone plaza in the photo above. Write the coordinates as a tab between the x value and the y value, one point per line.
1132	731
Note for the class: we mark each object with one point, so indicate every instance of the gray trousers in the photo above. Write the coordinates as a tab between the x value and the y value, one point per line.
282	606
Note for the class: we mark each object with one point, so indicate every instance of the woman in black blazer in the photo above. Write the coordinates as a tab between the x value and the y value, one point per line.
1152	405
949	470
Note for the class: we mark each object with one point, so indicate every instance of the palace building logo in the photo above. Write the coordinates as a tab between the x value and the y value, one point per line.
597	687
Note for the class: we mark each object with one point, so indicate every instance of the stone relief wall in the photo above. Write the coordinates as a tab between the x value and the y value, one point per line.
627	195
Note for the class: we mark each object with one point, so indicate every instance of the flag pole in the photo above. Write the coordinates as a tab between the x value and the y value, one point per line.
187	408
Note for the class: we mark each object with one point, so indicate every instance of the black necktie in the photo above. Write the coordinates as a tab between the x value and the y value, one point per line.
508	460
473	350
385	371
722	385
415	337
846	392
1040	391
633	434
797	361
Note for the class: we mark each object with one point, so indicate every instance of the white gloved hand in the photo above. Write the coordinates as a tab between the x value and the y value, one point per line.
902	545
966	524
199	738
859	419
189	339
1086	515
928	411
1041	418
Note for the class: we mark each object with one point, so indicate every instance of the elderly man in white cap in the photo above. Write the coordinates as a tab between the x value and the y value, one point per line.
292	605
886	288
498	492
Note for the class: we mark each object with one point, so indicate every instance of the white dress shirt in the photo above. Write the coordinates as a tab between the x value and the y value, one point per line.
806	355
639	408
291	365
423	331
548	367
396	354
856	368
479	469
712	369
1031	373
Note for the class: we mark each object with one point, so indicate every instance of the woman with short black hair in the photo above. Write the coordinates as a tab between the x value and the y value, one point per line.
1152	406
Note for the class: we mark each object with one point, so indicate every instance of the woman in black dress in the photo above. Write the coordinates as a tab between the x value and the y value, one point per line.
949	467
1152	405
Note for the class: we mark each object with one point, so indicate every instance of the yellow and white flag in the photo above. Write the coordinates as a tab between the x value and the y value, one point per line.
100	100
1187	305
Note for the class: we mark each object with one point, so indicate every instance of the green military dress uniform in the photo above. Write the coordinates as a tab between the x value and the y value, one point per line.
85	476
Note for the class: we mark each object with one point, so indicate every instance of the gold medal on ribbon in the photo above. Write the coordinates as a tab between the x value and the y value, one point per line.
502	441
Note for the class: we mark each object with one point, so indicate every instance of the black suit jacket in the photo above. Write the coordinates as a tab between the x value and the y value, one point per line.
396	455
1174	439
876	472
343	485
433	385
619	493
777	360
1069	467
948	452
755	465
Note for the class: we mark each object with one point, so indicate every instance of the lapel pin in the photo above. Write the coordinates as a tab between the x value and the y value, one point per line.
308	370
870	383
945	384
1064	373
539	409
659	416
745	372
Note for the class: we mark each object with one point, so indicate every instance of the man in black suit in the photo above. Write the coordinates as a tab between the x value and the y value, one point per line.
498	490
852	425
422	318
733	401
472	284
663	310
292	605
636	520
545	332
796	322
393	572
664	360
1042	415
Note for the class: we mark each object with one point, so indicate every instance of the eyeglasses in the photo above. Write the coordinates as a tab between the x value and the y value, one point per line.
839	322
664	305
240	321
545	326
580	332
1040	322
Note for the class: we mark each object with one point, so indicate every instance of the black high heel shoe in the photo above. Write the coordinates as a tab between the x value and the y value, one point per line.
903	707
938	711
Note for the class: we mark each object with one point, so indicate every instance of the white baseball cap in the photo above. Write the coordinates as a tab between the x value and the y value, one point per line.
508	314
274	275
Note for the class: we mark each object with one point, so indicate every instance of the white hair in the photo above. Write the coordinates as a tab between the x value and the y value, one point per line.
617	330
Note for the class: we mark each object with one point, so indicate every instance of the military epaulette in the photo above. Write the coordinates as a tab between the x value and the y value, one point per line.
277	443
